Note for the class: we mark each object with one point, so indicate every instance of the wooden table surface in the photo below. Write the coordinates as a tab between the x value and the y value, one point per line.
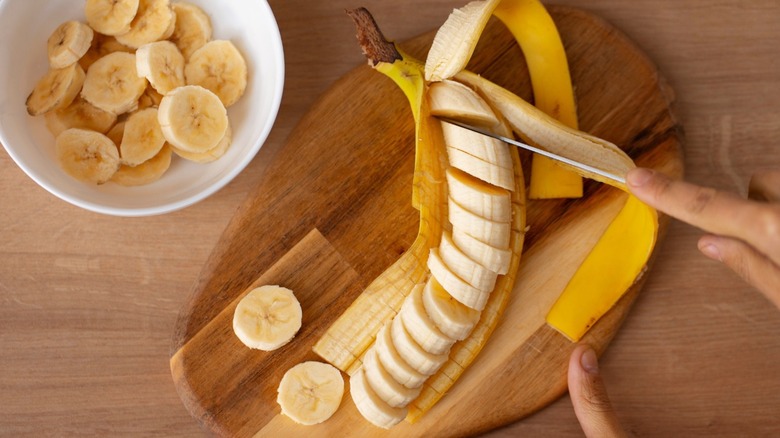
88	302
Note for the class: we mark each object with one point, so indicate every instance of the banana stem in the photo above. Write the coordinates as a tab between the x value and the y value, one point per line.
375	46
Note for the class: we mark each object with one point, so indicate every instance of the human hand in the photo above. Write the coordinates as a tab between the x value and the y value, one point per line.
744	234
589	396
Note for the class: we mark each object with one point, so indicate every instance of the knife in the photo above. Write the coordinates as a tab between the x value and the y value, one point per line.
536	150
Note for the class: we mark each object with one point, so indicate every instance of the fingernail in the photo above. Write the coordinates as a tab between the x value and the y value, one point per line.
589	361
638	177
711	251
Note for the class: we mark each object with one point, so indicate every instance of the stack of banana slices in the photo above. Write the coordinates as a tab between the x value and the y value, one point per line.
464	268
141	80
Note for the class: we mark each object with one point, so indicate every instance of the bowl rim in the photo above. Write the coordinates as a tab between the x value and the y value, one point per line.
277	48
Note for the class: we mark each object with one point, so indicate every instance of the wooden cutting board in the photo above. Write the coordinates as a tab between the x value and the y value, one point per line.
334	211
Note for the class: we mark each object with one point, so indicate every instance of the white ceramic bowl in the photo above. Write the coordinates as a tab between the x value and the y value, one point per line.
24	28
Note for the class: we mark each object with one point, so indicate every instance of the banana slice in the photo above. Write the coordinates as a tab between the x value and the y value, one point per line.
422	361
145	173
111	17
142	138
101	46
420	326
454	285
450	316
116	133
464	267
495	259
491	232
79	114
193	28
371	406
112	83
488	172
161	64
310	392
150	24
395	365
219	67
267	317
69	42
456	101
481	146
193	119
212	154
475	195
55	90
385	386
88	156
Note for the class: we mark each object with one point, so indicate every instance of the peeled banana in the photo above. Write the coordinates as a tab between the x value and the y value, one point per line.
55	90
310	392
219	67
193	28
88	156
142	138
193	119
267	317
112	84
69	42
161	64
371	406
111	17
152	22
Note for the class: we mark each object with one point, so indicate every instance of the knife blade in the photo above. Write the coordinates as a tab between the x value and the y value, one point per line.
536	150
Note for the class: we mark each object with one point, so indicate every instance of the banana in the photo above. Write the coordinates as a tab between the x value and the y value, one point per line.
392	361
193	119
454	100
142	138
491	232
412	353
481	146
310	392
145	173
371	406
116	133
88	156
111	17
454	285
193	28
112	84
450	316
55	90
464	267
385	386
476	196
218	66
69	42
151	23
488	172
495	259
267	317
161	64
211	154
421	327
79	114
101	46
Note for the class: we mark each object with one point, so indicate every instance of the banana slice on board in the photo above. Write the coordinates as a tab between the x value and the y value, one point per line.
488	172
88	156
385	386
481	146
212	154
193	119
310	392
55	90
112	83
111	17
371	406
495	259
145	173
422	361
450	316
491	232
467	294
218	66
478	197
79	114
142	138
153	20
68	43
395	365
193	28
161	64
464	267
454	100
420	326
267	317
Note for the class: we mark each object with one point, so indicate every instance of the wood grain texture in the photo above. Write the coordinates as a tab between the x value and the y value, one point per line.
89	302
369	176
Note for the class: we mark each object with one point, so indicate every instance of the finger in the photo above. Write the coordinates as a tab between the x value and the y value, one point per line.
765	186
714	211
589	396
755	268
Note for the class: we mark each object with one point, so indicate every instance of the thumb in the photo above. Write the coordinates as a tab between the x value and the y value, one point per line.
589	396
